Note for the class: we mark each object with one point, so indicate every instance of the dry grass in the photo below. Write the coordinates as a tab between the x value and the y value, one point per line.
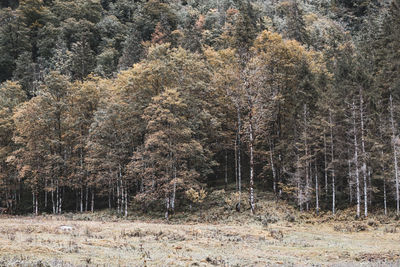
213	235
27	241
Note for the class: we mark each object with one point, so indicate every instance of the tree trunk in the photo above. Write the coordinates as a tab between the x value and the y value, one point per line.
251	143
167	207
126	200
33	203
325	168
364	156
396	171
81	180
174	191
52	196
77	201
118	195
384	195
271	156
36	204
109	194
333	166
316	189
61	200
298	183
57	197
92	205
226	168
86	197
81	200
369	186
239	160
356	161
306	157
384	176
350	178
45	193
236	163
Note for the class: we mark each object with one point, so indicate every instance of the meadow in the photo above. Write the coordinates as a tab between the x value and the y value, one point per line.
277	236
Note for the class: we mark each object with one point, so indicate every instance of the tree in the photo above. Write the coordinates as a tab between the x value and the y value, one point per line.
14	40
82	59
11	95
171	154
132	50
291	80
42	157
82	103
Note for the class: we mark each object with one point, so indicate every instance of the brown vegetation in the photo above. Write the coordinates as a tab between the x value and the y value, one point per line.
277	235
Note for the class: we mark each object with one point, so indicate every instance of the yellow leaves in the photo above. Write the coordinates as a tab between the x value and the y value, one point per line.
266	40
287	55
223	58
24	170
196	196
310	18
277	97
158	51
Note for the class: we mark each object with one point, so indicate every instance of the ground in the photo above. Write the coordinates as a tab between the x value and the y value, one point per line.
212	233
56	241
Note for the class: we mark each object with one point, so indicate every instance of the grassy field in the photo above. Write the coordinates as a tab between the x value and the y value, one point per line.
63	241
210	234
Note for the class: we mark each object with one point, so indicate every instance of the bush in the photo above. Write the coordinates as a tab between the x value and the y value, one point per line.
350	227
390	229
372	223
290	218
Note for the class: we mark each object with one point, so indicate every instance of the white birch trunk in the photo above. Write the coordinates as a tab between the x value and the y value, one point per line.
239	158
167	207
384	185
52	196
33	203
333	166
174	191
236	163
396	171
364	164
350	179
252	204
60	203
86	197
81	200
306	155
126	200
92	204
356	161
271	156
325	167
36	205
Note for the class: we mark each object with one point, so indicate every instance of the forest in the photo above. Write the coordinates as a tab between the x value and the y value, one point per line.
135	105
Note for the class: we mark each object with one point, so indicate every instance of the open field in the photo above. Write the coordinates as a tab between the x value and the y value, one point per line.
42	241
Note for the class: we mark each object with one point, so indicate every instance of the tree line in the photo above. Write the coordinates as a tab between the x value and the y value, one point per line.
138	103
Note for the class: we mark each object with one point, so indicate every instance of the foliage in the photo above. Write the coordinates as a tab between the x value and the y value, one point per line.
105	102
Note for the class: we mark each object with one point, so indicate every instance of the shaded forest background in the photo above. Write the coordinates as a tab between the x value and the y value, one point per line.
151	105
